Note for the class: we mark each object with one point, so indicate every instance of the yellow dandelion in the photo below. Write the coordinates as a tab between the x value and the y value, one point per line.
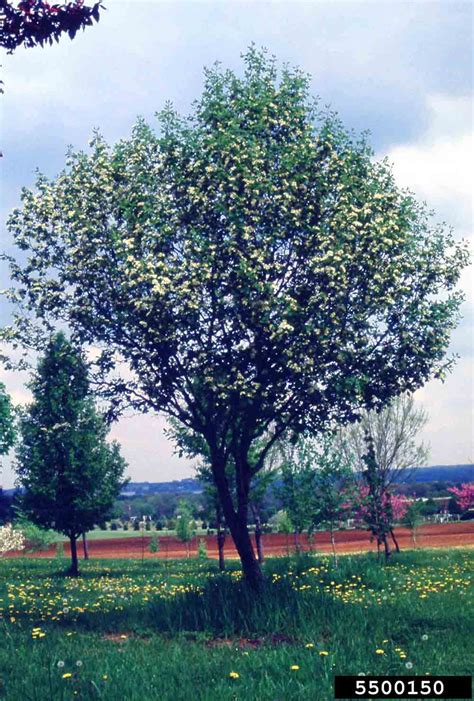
323	653
67	675
234	675
309	646
379	651
294	667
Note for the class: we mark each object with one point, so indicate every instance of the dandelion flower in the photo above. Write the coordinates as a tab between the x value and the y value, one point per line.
309	646
323	653
105	677
424	637
379	651
294	667
60	663
234	675
409	665
79	663
67	675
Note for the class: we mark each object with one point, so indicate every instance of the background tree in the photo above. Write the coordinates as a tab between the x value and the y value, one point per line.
36	538
184	524
7	421
10	539
283	524
332	488
375	504
464	496
296	490
393	432
35	22
70	474
413	517
252	266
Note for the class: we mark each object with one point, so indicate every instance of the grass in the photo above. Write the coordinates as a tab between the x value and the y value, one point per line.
176	630
99	534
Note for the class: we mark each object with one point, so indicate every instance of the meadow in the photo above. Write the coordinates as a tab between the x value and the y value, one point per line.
179	630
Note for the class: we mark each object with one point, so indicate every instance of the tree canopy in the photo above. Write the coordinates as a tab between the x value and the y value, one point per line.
394	432
7	421
250	265
36	22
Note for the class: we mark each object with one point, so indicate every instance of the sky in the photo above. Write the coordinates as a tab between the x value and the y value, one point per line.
402	70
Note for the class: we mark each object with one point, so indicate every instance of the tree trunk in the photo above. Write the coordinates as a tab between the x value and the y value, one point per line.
74	569
85	547
296	542
395	541
250	565
258	539
386	546
220	547
236	520
333	545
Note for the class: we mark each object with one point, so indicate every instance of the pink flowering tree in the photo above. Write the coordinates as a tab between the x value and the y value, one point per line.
375	506
464	496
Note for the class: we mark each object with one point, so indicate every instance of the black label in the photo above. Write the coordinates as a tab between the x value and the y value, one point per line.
406	687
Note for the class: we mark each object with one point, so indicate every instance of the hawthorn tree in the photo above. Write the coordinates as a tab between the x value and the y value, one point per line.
36	22
70	475
194	446
249	270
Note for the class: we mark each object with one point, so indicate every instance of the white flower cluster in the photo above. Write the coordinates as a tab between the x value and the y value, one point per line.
10	539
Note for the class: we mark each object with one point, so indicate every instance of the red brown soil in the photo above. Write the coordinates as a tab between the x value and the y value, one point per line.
446	535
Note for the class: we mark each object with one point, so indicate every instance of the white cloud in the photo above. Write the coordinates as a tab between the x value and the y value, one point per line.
439	167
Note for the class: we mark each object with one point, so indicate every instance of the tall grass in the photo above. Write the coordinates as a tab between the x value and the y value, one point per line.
175	631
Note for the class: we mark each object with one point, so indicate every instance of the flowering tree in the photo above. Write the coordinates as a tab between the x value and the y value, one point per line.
375	505
251	266
464	495
36	22
10	539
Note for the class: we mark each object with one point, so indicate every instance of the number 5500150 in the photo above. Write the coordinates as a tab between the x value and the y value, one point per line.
423	687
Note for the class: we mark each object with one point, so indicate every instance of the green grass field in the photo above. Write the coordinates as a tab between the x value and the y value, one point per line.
180	631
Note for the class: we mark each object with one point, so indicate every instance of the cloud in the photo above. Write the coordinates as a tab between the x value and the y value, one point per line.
439	169
439	166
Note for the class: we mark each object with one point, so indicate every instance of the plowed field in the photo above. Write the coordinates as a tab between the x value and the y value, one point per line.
429	536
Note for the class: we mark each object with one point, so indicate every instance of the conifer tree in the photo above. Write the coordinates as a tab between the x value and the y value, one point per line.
69	473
